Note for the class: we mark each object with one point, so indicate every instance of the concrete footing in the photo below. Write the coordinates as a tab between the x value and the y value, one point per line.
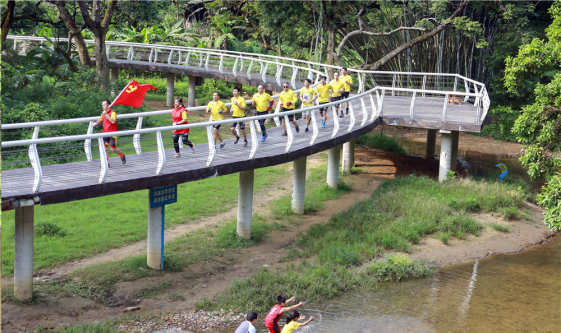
431	144
245	203
299	185
155	249
445	155
192	85
23	253
348	156
169	93
333	158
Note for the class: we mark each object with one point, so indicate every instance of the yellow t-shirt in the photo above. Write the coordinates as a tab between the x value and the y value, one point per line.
261	101
346	79
215	107
323	92
290	327
286	97
237	111
307	94
336	86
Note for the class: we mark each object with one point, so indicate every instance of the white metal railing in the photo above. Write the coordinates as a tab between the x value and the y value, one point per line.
401	83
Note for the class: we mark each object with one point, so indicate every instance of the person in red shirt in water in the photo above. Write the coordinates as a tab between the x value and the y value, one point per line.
179	117
272	319
109	120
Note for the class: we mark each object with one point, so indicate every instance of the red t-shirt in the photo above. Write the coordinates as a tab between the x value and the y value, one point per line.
177	116
273	316
107	125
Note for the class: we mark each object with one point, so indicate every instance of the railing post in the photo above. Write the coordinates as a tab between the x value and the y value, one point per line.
161	153
364	112
179	57
412	108
234	70
187	59
326	74
477	99
260	63
211	147
241	64
293	79
221	65
88	142
444	108
277	111
424	84
455	83
155	55
381	103
207	60
254	141
107	46
136	137
130	55
35	162
103	160
279	75
335	122
201	59
151	53
466	84
315	130
170	56
289	136
249	69
264	73
393	84
373	106
352	116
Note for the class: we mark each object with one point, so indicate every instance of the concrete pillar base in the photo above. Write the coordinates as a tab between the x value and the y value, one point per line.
169	94
23	253
445	155
348	156
333	158
299	185
245	203
454	157
192	85
155	251
431	144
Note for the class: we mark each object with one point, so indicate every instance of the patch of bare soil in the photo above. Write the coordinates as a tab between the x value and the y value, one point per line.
209	278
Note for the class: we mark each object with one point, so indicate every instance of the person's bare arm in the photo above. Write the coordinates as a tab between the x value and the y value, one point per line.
290	308
307	322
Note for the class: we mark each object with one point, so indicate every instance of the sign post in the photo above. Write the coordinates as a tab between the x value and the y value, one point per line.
158	198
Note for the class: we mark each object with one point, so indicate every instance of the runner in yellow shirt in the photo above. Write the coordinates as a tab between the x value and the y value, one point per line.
338	88
287	99
292	322
217	108
347	83
308	96
238	110
323	93
263	103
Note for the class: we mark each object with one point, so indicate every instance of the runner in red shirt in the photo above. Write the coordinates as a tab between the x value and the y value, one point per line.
272	319
179	117
109	120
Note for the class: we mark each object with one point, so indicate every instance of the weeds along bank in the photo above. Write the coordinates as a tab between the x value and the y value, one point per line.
347	252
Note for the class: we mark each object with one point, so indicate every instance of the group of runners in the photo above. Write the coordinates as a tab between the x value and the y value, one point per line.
274	316
337	89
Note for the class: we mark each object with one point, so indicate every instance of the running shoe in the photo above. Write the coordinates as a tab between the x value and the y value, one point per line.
123	159
297	129
323	123
347	110
341	115
222	145
176	156
108	165
284	134
264	137
193	148
306	129
237	139
245	143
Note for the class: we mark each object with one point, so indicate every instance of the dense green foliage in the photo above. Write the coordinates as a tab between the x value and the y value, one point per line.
537	128
382	142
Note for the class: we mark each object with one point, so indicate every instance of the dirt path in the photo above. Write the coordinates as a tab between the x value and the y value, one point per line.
206	279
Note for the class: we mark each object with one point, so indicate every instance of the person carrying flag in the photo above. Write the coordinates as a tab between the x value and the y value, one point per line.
322	90
179	117
263	103
347	84
216	107
308	96
109	120
287	99
337	89
238	110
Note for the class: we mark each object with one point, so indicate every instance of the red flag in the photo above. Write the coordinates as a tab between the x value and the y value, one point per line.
133	94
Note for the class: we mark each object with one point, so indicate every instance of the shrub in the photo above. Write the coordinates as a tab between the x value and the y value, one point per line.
511	213
340	254
48	229
499	227
472	205
398	267
382	142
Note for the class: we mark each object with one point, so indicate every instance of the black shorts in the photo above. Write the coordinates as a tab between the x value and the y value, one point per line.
323	109
345	94
242	124
112	140
335	99
216	127
290	116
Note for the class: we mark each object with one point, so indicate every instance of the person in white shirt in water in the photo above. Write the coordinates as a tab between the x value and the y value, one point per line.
247	325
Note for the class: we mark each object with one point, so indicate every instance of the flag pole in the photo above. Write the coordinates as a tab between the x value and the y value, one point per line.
116	98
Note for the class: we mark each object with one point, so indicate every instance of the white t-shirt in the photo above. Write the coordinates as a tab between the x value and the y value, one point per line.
246	327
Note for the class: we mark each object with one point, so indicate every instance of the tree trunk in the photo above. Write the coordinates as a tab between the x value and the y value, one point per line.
7	20
330	49
75	31
101	62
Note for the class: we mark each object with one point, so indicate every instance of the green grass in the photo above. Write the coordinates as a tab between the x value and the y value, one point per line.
382	142
511	213
92	226
500	227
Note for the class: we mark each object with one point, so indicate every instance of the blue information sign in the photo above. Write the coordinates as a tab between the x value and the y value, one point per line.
164	195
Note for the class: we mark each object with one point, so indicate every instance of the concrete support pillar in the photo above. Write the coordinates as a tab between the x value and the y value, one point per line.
156	237
431	144
445	155
333	158
114	76
348	156
169	94
454	157
245	203
23	253
299	185
192	85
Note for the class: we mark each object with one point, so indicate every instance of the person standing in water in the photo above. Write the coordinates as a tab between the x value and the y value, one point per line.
292	322
272	319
